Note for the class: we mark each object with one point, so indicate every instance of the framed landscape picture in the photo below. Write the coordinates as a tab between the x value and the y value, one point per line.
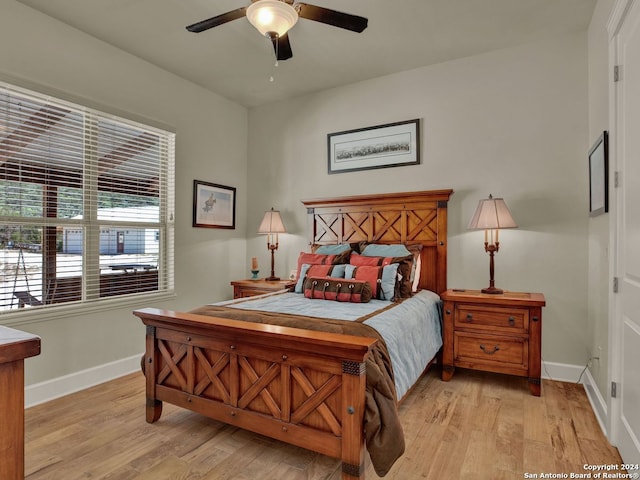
382	146
214	206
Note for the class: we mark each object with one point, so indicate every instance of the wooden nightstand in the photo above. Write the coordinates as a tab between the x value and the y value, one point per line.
249	288
495	333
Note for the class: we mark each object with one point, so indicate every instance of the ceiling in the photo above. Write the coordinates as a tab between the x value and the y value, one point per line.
235	61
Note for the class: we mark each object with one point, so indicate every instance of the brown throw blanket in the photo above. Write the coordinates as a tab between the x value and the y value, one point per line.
383	431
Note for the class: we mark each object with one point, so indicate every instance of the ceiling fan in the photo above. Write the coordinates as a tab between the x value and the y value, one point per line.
274	18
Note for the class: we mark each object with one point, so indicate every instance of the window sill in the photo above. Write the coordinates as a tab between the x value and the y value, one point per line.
51	313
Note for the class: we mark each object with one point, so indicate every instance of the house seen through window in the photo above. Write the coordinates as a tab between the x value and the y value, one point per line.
86	204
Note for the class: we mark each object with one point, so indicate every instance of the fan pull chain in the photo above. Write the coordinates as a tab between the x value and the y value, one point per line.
271	77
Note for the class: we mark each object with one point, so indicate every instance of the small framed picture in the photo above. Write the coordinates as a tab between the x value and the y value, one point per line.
382	146
599	176
214	206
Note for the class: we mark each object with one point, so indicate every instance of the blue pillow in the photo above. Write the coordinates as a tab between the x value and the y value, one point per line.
338	271
381	250
332	249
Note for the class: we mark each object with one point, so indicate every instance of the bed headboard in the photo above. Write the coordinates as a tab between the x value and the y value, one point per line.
407	217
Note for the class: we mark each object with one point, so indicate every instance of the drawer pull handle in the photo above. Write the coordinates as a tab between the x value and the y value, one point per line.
535	319
512	321
469	317
484	349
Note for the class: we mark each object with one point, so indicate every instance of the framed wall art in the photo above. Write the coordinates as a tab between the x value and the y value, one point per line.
599	176
214	206
382	146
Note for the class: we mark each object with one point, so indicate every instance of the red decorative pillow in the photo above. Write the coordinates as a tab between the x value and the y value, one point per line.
363	261
319	271
405	264
319	259
337	289
383	280
313	259
370	274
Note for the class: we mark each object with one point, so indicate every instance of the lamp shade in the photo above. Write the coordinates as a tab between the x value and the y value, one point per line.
272	16
271	223
492	213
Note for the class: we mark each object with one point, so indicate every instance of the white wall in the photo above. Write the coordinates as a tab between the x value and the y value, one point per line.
211	145
512	123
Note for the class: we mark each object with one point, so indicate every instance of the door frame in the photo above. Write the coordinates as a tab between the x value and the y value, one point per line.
617	18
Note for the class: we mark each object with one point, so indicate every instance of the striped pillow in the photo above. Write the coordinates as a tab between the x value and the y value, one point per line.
381	278
307	270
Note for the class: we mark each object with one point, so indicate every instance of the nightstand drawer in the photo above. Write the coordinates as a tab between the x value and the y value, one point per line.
494	319
497	352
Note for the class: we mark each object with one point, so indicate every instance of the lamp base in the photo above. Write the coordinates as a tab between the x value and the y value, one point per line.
272	279
492	290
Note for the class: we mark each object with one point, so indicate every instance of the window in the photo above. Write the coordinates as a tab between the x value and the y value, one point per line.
86	204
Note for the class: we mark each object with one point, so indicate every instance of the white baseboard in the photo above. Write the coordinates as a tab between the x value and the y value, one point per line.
74	382
598	403
562	372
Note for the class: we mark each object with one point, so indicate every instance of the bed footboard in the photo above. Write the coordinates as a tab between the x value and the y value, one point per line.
302	387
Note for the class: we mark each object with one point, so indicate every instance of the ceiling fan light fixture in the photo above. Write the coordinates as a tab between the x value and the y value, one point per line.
272	16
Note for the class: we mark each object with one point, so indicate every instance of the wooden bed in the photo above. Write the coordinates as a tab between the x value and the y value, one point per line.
302	387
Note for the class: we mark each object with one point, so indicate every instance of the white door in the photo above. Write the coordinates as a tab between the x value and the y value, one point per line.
626	130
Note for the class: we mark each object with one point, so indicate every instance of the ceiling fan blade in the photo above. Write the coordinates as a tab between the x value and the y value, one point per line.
332	17
217	20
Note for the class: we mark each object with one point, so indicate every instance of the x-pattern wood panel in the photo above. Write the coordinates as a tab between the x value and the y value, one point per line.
316	400
171	364
356	227
387	226
422	225
212	372
259	384
327	228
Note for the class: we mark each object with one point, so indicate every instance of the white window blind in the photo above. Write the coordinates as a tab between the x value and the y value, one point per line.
86	204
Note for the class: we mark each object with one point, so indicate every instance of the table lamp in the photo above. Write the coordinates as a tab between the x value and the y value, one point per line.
491	215
271	226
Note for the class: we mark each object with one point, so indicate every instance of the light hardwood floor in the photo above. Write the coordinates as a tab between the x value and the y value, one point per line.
477	426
